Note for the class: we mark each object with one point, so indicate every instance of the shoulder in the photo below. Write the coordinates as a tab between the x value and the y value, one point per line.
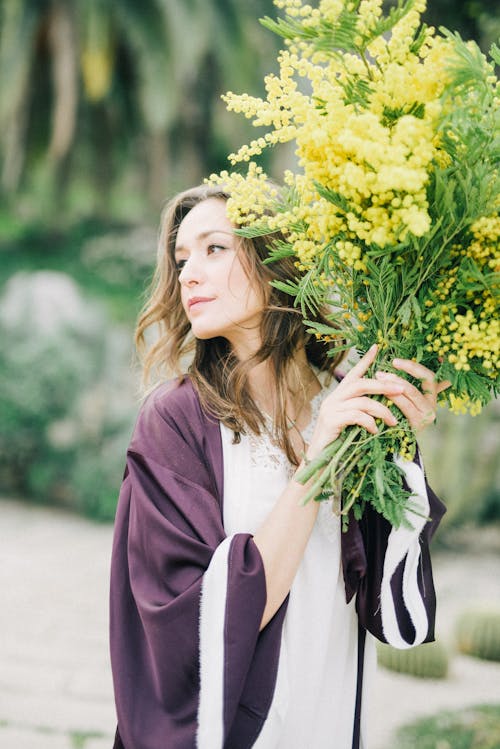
171	419
170	399
173	400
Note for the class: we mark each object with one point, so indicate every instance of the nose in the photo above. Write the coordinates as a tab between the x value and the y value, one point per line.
190	274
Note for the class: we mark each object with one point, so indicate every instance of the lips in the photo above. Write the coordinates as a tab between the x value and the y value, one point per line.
197	300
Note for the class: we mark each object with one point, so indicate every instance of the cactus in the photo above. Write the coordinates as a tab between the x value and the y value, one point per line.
478	634
427	661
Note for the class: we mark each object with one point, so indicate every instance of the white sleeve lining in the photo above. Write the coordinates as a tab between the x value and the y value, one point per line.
210	733
405	542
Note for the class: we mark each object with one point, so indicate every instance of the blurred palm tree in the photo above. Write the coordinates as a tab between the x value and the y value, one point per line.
88	85
126	93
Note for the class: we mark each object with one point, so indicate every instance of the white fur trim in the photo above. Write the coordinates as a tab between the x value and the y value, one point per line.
405	542
210	733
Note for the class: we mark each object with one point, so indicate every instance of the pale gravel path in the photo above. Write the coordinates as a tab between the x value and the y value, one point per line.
55	684
54	666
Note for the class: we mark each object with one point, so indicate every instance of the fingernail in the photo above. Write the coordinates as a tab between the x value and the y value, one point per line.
397	362
373	347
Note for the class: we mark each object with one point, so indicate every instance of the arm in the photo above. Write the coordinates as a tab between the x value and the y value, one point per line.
283	537
172	567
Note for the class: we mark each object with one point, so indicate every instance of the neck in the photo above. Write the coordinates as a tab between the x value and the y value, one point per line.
301	385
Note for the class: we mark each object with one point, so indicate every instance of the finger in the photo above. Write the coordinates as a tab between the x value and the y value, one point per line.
444	385
429	383
432	389
342	396
360	418
429	387
418	417
374	408
364	364
367	386
358	385
414	368
390	377
423	401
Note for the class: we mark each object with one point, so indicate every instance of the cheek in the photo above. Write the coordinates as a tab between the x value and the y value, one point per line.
247	296
181	297
241	288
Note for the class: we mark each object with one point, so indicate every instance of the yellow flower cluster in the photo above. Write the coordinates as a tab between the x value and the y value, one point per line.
485	246
461	338
251	195
462	405
375	153
472	333
393	128
377	122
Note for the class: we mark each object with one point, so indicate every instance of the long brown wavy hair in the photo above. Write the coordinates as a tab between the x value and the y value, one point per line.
220	379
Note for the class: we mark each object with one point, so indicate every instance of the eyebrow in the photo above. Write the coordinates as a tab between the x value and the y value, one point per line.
204	235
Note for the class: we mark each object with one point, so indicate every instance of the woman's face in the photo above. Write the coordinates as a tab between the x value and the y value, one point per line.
216	293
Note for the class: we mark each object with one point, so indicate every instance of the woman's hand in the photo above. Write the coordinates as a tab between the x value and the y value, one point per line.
350	403
419	406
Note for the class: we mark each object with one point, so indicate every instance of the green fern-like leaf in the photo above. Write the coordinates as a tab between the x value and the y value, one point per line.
317	327
309	296
357	91
253	231
288	287
386	23
325	37
495	53
468	73
278	250
416	46
341	36
289	29
335	198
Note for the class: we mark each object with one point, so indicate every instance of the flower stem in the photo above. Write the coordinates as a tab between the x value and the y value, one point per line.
330	456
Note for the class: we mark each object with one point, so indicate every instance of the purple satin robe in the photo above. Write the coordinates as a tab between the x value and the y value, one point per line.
168	527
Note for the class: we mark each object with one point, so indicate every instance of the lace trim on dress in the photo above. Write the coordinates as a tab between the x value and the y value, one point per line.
265	454
268	457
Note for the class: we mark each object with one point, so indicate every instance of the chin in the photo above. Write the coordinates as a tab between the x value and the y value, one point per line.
204	334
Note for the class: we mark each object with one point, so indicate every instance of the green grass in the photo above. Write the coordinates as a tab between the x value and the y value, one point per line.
80	738
471	728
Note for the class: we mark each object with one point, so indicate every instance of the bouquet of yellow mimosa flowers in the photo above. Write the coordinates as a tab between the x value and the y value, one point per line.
391	213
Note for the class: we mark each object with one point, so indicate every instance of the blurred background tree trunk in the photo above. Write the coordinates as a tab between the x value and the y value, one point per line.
92	91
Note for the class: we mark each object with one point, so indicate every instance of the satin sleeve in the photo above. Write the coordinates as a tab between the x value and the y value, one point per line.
186	604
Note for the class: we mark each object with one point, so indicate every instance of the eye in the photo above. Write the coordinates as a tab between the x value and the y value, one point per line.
179	264
215	248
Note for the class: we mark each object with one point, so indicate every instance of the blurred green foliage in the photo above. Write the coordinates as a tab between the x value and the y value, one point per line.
461	460
66	410
35	246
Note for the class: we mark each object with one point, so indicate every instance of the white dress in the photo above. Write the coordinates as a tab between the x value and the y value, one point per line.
314	700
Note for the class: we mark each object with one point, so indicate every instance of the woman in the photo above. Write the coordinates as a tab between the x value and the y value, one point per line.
238	614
